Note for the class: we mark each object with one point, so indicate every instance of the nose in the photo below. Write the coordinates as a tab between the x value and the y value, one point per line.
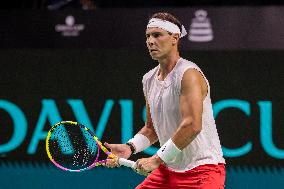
150	41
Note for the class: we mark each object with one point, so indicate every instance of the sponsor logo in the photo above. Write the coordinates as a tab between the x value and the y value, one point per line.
69	29
200	28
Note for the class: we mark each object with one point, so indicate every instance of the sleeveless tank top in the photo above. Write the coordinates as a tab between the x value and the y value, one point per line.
163	98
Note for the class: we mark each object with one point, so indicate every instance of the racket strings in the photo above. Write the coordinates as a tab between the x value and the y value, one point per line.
73	147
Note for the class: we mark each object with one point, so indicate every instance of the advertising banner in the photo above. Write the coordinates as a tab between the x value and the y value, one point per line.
209	28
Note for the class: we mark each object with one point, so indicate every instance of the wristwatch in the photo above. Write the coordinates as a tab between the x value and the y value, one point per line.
131	147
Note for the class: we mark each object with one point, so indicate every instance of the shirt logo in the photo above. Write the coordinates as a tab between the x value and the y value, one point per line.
164	148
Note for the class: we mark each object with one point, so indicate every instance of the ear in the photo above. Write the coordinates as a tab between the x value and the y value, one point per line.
175	39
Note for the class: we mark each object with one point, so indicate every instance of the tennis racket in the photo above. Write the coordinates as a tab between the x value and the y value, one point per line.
73	147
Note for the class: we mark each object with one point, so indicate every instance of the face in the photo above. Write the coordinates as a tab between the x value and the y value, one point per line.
159	43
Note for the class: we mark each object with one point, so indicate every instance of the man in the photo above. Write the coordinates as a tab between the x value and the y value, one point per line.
178	114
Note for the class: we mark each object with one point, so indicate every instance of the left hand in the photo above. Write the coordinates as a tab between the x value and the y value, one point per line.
147	165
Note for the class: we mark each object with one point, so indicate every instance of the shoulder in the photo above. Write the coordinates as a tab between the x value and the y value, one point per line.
188	74
193	80
192	76
185	65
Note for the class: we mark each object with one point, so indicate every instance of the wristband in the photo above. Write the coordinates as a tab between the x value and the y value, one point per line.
140	142
168	151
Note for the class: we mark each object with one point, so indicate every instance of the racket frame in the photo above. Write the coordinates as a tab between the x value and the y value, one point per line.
121	161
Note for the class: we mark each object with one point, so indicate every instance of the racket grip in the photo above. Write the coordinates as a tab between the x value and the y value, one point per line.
127	163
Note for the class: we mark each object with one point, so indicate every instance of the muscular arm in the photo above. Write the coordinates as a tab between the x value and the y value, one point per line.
193	92
148	130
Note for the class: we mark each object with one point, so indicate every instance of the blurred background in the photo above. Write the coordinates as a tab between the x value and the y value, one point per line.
83	60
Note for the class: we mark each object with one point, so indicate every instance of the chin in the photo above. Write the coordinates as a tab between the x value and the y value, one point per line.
154	57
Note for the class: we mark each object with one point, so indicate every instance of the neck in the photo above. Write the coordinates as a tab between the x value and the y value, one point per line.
167	65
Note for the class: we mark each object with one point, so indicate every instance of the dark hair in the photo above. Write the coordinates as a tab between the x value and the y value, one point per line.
168	17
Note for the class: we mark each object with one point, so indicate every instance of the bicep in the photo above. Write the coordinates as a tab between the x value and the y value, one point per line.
191	108
193	91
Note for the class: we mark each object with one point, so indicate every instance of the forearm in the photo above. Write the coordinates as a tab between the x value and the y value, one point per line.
186	133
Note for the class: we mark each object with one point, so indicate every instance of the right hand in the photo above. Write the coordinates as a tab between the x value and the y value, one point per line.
120	150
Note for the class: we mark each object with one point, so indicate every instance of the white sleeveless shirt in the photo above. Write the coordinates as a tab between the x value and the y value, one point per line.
163	98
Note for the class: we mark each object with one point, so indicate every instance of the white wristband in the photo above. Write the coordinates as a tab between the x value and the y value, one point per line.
140	142
168	151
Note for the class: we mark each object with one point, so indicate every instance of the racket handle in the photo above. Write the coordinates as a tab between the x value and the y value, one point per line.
127	163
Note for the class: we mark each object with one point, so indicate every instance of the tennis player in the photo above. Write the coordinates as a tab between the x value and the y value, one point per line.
178	114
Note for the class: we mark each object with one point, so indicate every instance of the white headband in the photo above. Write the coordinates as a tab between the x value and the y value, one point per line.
166	25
